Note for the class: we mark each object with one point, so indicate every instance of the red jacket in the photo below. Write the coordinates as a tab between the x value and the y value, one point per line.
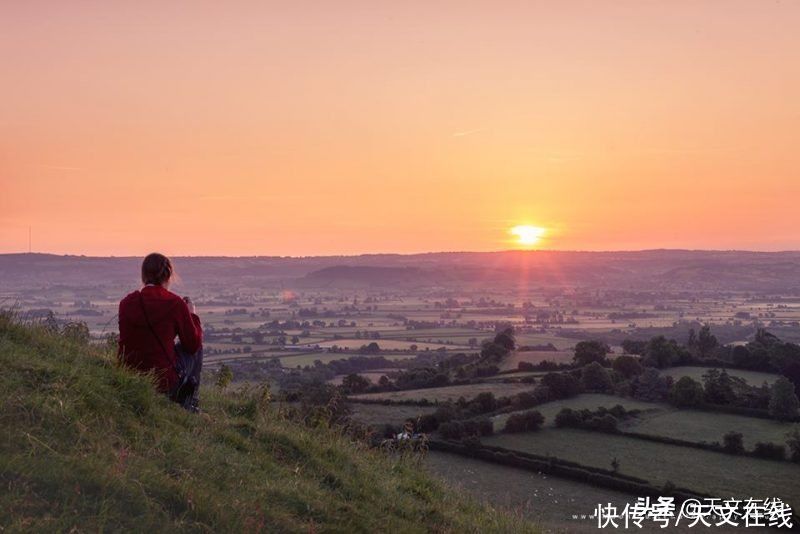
169	316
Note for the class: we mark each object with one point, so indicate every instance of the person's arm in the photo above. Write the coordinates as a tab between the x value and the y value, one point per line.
190	330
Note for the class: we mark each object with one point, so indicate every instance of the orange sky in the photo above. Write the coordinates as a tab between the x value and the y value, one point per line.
300	128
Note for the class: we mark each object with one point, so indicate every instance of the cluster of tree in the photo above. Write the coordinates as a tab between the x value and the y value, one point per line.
587	352
492	353
649	386
721	389
560	385
733	443
702	344
527	421
635	374
769	451
423	377
448	303
354	384
372	348
421	372
453	364
538	348
358	364
482	404
603	419
496	350
765	353
276	326
662	352
456	430
680	331
595	378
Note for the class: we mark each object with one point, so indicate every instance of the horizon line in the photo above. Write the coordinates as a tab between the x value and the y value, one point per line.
407	254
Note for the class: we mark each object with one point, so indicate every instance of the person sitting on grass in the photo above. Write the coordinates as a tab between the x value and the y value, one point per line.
149	320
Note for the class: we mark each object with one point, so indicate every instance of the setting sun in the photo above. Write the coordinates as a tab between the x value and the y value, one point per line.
527	235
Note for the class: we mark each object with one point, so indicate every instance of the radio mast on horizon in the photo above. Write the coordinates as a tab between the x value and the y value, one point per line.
29	239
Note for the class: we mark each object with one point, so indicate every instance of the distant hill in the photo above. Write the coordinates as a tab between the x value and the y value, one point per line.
644	270
87	446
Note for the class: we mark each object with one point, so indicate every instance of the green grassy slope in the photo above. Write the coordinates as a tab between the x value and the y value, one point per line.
87	445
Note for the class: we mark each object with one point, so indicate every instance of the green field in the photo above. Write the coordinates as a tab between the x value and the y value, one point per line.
561	343
694	425
754	378
449	393
711	472
546	500
659	419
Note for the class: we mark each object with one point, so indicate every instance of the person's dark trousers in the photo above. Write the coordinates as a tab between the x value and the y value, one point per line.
189	367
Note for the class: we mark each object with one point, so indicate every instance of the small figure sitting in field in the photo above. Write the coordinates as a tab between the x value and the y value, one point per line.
149	320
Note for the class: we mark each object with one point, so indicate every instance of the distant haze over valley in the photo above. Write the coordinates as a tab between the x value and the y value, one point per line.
653	269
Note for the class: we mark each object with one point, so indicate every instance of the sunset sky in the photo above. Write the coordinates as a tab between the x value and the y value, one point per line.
306	128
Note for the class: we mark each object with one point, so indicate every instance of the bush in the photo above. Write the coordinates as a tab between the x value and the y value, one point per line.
627	366
224	376
718	387
568	417
587	352
650	386
686	393
451	430
623	388
484	427
594	377
524	422
428	422
485	402
770	451
602	419
620	412
733	442
457	430
561	385
783	402
524	400
603	423
793	441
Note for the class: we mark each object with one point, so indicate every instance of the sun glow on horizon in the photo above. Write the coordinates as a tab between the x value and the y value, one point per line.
527	235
